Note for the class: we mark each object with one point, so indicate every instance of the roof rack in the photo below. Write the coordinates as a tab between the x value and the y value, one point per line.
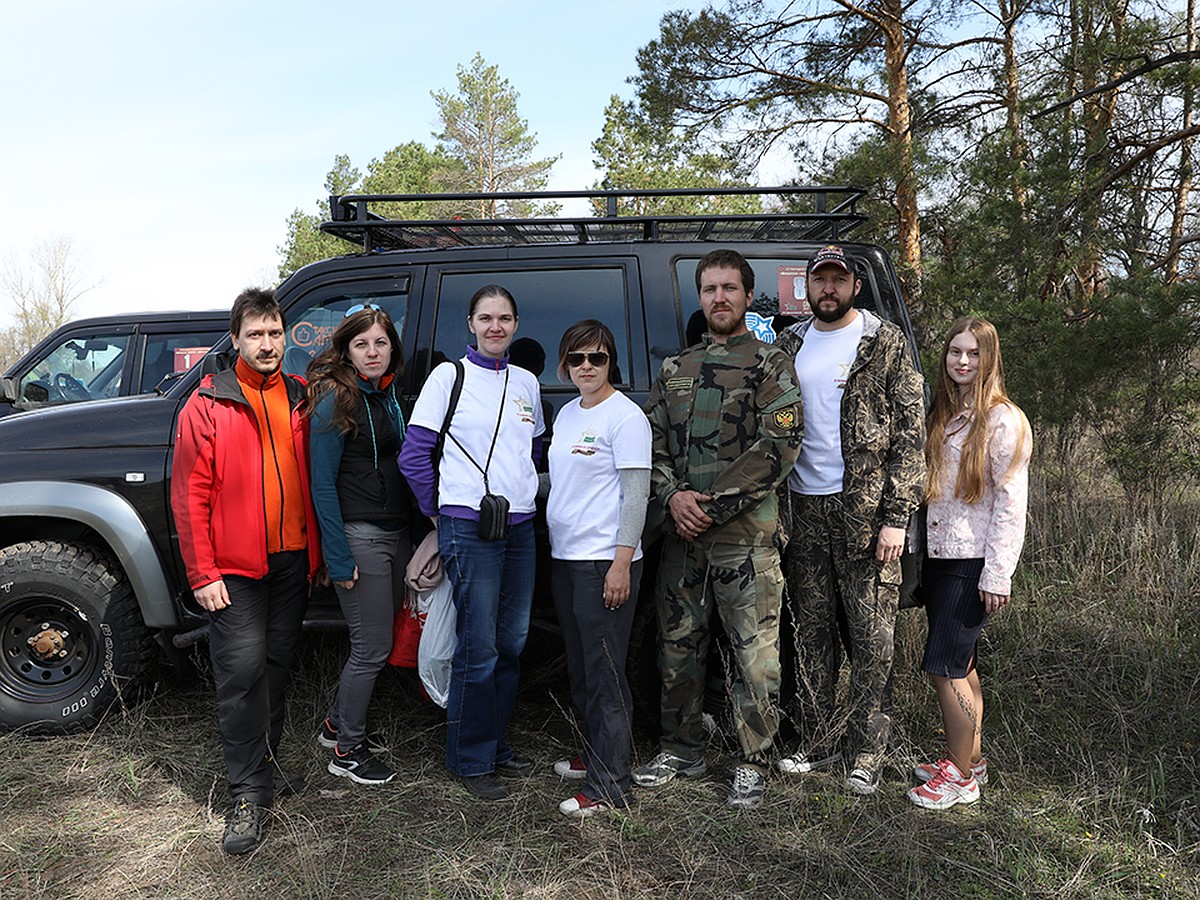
830	216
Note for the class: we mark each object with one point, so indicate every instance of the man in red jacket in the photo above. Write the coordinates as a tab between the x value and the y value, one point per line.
248	536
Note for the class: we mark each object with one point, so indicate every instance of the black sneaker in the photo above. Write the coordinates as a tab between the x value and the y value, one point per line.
360	766
485	787
515	767
376	741
243	828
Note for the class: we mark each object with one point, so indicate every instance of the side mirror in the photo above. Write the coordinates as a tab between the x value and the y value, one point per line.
217	361
8	390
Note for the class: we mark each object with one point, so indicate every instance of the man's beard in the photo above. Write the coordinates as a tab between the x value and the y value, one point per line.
833	315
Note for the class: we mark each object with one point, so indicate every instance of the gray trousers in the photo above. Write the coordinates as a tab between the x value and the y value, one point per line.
597	643
369	608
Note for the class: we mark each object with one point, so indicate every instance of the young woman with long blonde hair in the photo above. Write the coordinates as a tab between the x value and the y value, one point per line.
977	487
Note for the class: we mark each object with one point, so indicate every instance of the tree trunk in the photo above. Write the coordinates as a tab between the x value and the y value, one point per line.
1184	186
900	128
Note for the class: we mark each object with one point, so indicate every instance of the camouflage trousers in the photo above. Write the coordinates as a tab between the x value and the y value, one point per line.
745	584
829	587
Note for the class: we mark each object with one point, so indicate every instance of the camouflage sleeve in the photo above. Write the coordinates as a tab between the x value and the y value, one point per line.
904	486
663	481
766	462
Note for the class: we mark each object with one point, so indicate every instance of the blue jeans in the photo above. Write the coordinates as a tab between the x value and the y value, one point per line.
493	592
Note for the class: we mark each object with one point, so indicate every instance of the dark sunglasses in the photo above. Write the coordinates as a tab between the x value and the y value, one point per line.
598	358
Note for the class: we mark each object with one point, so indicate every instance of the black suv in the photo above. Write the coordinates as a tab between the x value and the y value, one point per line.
90	572
109	356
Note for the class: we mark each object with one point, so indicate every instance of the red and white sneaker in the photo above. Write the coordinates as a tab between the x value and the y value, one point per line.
581	806
947	788
573	768
925	771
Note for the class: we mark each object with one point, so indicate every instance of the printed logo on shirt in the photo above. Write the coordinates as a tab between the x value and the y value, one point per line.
680	384
586	445
524	410
840	378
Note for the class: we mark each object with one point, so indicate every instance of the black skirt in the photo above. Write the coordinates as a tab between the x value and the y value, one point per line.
950	588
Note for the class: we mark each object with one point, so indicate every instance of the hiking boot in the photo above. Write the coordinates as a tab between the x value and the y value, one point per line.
376	741
243	828
925	771
746	792
863	780
360	767
574	768
801	763
514	767
664	767
485	787
948	787
581	806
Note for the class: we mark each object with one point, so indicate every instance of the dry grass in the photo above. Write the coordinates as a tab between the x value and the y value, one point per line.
1093	715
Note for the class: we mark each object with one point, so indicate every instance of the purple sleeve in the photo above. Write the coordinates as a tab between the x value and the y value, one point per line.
536	451
416	462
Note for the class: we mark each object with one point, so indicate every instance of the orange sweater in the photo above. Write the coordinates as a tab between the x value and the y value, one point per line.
283	491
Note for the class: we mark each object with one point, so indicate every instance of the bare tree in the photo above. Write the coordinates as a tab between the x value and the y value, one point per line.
42	292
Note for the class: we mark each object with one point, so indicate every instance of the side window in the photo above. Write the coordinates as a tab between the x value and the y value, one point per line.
78	369
172	353
310	327
549	302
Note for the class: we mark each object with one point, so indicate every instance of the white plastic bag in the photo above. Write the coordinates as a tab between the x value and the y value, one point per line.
439	639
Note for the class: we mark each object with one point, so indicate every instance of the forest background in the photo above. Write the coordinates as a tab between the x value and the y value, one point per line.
1031	161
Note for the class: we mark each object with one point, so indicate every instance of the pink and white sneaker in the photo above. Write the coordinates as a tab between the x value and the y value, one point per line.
925	771
947	788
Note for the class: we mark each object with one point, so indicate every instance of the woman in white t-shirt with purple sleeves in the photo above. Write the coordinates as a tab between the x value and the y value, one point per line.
599	488
492	446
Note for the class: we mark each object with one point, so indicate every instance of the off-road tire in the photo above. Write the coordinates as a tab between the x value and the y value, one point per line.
78	599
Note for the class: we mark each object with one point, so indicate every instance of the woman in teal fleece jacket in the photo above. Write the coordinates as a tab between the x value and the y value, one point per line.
362	506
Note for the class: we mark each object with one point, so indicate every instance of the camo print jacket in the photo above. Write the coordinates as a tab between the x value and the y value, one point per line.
726	420
883	430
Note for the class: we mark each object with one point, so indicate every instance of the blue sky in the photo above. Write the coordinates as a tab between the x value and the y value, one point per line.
170	139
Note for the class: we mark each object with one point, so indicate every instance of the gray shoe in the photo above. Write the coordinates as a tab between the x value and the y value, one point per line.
243	830
801	763
665	767
746	792
863	780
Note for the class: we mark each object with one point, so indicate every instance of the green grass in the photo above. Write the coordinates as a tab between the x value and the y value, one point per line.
1092	684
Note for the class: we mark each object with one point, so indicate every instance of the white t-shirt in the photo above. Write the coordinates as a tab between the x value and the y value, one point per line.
589	446
511	473
822	364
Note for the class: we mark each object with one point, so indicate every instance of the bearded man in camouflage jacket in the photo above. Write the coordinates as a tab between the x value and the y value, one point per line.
726	421
852	493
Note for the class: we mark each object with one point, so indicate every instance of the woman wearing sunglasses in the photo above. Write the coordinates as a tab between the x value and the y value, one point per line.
361	503
599	487
480	495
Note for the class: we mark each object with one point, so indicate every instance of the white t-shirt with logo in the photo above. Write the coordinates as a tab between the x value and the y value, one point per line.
589	447
511	473
822	363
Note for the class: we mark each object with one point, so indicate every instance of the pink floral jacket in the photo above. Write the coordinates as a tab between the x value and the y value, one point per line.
993	528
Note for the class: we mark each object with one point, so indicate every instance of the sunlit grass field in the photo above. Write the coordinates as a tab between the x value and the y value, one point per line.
1092	722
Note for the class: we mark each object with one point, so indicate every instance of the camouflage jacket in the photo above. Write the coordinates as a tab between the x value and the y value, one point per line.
726	420
883	430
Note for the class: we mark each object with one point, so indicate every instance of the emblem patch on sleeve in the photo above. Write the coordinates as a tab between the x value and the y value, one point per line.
680	383
785	419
